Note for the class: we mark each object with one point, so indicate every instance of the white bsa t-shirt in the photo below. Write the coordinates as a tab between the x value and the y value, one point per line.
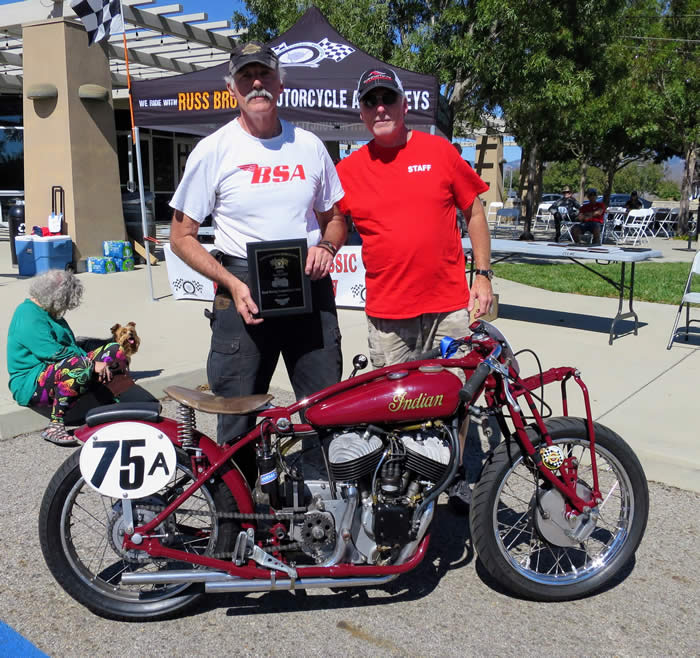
258	189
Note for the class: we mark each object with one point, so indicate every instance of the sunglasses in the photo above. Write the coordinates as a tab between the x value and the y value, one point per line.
371	101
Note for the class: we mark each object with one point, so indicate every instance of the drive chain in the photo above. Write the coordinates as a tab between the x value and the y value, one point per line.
240	516
294	546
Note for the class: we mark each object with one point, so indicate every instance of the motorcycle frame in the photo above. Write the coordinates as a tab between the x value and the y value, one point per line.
219	456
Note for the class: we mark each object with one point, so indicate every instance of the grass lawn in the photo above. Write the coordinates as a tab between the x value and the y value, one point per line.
653	282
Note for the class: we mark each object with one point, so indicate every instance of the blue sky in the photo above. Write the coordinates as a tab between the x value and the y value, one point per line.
217	9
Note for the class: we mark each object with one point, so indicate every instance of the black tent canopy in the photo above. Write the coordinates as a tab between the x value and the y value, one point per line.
321	70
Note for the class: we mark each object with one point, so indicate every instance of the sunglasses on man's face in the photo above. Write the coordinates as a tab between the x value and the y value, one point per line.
387	98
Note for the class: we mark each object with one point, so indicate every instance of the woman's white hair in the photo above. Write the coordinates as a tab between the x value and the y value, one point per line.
57	291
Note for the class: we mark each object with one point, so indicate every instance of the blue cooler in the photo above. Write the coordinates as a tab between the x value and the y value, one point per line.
52	252
24	244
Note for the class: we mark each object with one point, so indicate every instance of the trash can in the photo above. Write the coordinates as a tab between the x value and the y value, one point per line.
16	227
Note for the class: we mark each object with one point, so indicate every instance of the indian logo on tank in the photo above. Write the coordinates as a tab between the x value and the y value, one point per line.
401	402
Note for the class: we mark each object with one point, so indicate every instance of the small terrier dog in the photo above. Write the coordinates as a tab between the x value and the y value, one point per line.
127	337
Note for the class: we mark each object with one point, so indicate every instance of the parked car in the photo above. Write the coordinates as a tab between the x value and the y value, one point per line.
550	198
619	200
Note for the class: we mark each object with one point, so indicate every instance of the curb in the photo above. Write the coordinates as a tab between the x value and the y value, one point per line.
16	420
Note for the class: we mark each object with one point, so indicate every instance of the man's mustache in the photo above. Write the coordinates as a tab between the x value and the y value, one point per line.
259	93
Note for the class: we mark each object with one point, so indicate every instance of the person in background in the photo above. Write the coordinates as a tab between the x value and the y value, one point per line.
592	214
402	190
461	222
633	203
568	206
45	363
261	179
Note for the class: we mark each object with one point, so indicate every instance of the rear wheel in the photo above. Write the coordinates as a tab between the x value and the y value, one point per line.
81	536
521	530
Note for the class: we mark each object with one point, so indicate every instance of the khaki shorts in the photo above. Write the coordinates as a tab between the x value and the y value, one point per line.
396	341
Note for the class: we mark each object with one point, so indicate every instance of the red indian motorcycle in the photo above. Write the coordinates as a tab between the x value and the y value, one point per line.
150	513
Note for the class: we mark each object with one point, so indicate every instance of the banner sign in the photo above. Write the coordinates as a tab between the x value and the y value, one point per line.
347	274
321	73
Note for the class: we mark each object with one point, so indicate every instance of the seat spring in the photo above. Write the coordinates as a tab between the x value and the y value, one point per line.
186	424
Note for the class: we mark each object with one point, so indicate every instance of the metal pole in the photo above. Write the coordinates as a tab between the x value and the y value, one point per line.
130	143
144	223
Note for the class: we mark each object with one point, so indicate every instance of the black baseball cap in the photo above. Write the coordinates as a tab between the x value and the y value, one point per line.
252	51
373	78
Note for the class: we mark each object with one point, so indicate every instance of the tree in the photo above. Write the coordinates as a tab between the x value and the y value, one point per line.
541	63
667	69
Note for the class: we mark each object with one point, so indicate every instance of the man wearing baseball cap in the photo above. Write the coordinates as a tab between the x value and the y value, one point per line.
566	206
261	179
402	190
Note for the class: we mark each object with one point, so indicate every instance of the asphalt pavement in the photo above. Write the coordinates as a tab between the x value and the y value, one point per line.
448	606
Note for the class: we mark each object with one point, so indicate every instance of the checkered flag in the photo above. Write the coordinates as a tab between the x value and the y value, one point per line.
335	51
100	17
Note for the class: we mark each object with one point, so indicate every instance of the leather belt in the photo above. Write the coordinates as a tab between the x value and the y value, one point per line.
233	261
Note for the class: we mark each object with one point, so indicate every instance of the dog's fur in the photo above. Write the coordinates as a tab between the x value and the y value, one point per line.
127	337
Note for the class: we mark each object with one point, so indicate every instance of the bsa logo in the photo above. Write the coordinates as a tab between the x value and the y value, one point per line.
310	54
279	174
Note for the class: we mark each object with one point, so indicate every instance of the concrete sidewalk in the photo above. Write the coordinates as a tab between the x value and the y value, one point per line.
638	388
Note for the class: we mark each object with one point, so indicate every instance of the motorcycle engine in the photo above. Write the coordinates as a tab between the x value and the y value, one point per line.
380	479
352	456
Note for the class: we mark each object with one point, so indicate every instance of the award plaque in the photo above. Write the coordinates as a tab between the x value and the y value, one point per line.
278	283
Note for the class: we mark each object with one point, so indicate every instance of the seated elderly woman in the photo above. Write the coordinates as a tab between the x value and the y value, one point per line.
46	364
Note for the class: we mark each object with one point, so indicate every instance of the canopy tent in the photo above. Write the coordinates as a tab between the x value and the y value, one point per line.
321	73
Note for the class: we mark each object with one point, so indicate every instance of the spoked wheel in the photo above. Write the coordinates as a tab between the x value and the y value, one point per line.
521	529
81	536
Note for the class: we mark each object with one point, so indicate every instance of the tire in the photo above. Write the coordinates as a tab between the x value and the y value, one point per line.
79	532
525	550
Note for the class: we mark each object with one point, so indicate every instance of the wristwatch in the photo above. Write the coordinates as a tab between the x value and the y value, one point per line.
487	273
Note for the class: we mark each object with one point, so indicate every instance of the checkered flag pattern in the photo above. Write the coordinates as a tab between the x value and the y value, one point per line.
100	17
335	51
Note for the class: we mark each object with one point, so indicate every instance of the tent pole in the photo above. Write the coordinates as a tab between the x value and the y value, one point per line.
144	223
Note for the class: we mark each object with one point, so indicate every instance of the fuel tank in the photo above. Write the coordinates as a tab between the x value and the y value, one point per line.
397	397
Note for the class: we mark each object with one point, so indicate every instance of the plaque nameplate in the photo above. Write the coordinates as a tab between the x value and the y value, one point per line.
277	282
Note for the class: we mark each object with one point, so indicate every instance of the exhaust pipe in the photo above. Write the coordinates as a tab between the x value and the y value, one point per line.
218	581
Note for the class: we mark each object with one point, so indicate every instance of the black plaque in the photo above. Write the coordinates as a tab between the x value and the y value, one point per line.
278	283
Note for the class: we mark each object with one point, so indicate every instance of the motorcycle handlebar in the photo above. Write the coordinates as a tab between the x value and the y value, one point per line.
435	353
474	383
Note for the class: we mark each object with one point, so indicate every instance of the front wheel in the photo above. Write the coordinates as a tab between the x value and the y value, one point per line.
81	536
521	529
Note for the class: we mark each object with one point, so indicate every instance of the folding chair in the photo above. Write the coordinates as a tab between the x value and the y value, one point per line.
543	216
506	218
663	222
634	229
566	223
688	299
492	214
614	221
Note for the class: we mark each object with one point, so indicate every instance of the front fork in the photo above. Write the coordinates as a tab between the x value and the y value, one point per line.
567	480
